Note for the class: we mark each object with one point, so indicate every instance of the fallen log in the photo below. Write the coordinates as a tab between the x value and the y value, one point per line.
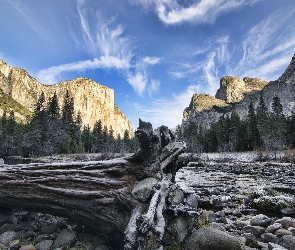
128	199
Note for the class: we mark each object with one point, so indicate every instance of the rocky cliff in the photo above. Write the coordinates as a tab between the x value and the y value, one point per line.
94	101
235	95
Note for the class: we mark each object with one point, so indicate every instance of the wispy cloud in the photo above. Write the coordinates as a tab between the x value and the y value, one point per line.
50	75
173	12
268	47
205	65
110	49
137	76
263	52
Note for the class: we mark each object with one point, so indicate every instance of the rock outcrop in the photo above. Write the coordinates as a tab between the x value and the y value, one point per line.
93	100
235	95
232	89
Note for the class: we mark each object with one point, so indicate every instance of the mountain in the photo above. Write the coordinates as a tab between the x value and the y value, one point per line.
93	100
235	95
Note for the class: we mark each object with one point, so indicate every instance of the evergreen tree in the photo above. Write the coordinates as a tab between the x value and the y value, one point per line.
86	138
97	137
53	107
252	129
277	136
263	122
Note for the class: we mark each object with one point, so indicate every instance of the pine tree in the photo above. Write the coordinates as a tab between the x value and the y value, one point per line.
97	137
277	136
53	107
263	122
252	129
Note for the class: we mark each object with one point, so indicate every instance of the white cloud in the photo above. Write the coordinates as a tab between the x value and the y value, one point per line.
268	47
211	75
173	12
50	75
109	48
151	60
168	112
153	86
138	81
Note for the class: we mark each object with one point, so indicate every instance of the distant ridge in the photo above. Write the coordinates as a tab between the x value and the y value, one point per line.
235	95
93	100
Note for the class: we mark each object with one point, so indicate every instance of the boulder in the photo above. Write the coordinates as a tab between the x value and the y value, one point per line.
44	245
287	241
65	238
260	220
6	237
201	239
143	190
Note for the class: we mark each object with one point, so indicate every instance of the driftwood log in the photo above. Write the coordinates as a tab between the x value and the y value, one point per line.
128	199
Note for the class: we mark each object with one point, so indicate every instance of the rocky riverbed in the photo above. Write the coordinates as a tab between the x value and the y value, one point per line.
253	201
244	204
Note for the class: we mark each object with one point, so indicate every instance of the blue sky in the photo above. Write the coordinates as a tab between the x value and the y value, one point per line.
155	54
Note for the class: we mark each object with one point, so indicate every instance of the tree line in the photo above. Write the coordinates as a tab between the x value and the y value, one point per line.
54	130
263	129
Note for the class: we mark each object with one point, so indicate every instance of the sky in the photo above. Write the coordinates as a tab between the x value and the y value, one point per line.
155	54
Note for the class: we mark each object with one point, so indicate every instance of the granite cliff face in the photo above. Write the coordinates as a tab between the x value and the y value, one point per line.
94	101
235	95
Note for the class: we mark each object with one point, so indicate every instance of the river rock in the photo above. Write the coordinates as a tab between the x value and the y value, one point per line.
44	245
65	238
202	239
192	201
6	237
257	231
286	222
269	237
287	241
281	232
28	247
260	220
272	228
143	190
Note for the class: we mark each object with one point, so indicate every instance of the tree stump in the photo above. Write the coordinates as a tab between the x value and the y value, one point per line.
128	199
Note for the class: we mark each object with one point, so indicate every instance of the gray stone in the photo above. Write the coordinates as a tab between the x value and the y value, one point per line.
44	245
272	228
287	241
6	237
281	232
28	227
273	246
288	211
257	231
178	229
260	220
28	247
192	201
143	190
202	239
286	222
269	237
65	238
14	245
237	213
178	196
8	227
29	235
